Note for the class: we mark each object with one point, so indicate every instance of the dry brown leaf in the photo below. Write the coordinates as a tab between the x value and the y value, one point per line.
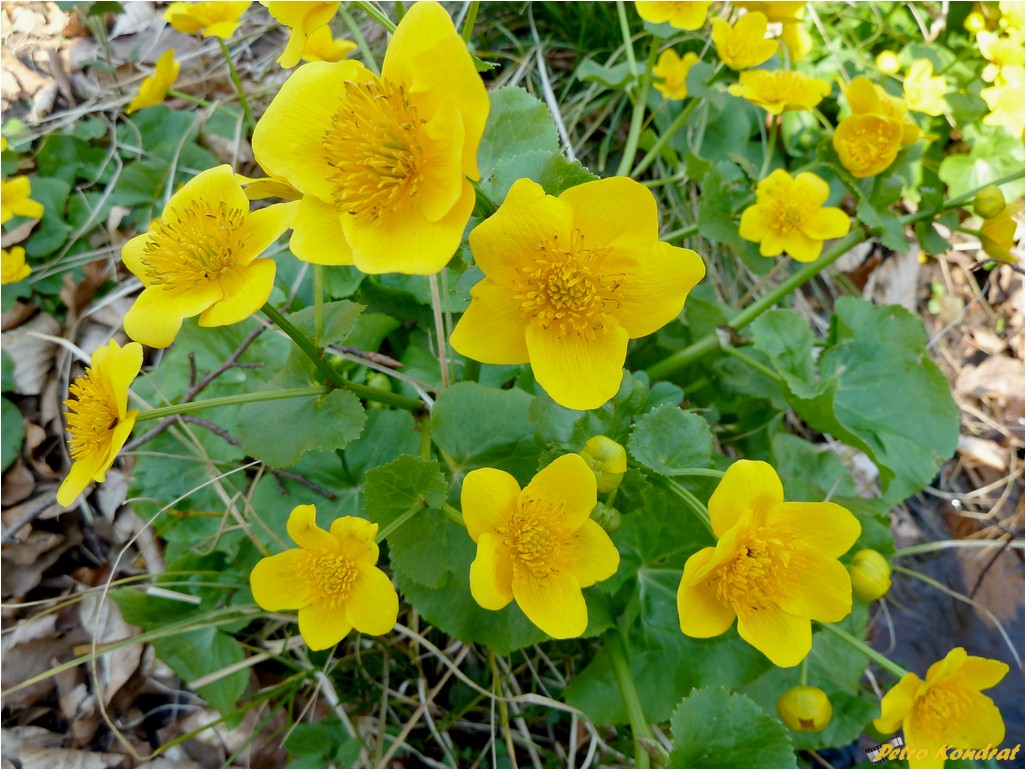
18	483
983	452
895	281
61	759
33	357
104	622
997	375
78	293
14	740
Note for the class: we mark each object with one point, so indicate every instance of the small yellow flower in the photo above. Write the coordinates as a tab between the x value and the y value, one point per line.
870	575
778	91
789	215
1013	14
680	15
759	571
1006	100
924	92
14	266
383	163
321	46
98	420
608	460
948	709
805	708
888	63
201	258
302	19
790	16
3	144
538	545
332	579
213	19
1001	51
672	72
568	281
153	89
15	201
975	22
867	144
744	44
997	235
867	98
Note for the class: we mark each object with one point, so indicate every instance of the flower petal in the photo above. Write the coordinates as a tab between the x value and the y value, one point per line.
576	372
613	213
322	626
701	613
656	287
748	485
493	329
78	478
897	704
214	185
132	254
263	227
356	538
553	603
245	290
812	189
488	499
302	528
825	528
827	598
317	235
826	223
441	179
802	248
568	490
157	314
278	582
491	573
980	673
119	366
594	556
782	637
373	604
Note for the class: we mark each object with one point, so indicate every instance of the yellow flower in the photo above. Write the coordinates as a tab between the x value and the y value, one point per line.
989	202
212	19
924	92
760	569
568	281
1013	15
1006	102
538	545
673	72
789	215
14	266
887	62
302	19
321	46
1001	51
975	22
997	235
680	15
200	258
382	162
98	419
743	45
154	88
948	709
867	98
332	579
867	144
15	201
778	91
805	708
790	16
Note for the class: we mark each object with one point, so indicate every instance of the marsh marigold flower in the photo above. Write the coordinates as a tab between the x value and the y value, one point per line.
383	163
568	281
744	44
868	140
997	234
537	545
213	19
201	258
947	709
322	46
1006	100
790	16
672	73
680	15
154	88
332	579
98	419
760	569
14	266
302	19
789	215
778	91
15	200
924	92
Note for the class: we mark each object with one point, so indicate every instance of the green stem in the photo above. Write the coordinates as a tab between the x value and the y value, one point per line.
707	472
959	200
750	362
628	43
318	273
305	344
401	519
881	660
640	727
941	545
471	370
682	233
242	398
767	159
361	43
652	154
468	23
689	498
237	82
453	514
640	103
371	10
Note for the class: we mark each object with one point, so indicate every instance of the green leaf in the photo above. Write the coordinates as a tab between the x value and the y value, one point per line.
561	174
517	122
995	153
395	492
53	231
338	318
7	376
194	654
715	728
616	77
670	441
726	192
892	232
13	433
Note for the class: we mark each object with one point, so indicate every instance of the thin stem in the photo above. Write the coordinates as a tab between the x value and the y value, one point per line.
241	398
682	233
237	82
750	362
318	274
803	672
453	514
696	505
398	521
305	344
674	127
881	660
628	43
959	200
371	10
767	158
361	43
941	545
468	23
640	727
440	335
640	103
707	472
471	370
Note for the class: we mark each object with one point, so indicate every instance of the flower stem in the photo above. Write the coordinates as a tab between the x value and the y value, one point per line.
959	200
354	30
234	73
454	515
468	23
689	498
682	233
652	154
241	398
378	16
750	362
803	672
881	660
767	159
941	545
640	101
642	730
318	273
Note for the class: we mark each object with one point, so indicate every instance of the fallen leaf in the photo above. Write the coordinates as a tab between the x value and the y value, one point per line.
33	357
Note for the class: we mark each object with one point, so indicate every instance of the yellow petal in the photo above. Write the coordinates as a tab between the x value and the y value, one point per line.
862	96
656	287
372	605
221	29
755	224
813	189
783	638
246	289
825	528
216	184
553	603
265	226
897	704
980	673
132	254
120	366
568	488
493	329
802	248
826	599
982	724
78	478
317	235
279	583
302	528
576	372
748	485
594	557
614	214
118	437
702	615
827	223
491	573
322	626
157	314
488	500
441	180
356	538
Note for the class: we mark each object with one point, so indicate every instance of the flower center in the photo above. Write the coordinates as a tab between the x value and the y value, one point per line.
534	546
331	576
789	217
752	579
566	289
197	248
373	146
92	415
871	144
943	704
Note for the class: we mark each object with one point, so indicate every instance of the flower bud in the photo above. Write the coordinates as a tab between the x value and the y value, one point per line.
870	575
975	22
607	459
887	62
989	202
805	708
606	517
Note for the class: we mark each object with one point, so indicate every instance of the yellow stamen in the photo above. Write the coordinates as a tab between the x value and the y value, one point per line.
92	415
869	145
535	546
944	704
752	580
194	246
331	577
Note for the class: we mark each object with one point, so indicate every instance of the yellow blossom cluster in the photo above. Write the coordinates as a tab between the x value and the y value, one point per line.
1006	52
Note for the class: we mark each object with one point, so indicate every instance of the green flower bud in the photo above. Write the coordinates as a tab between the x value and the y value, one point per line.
805	708
989	202
606	517
870	575
607	459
